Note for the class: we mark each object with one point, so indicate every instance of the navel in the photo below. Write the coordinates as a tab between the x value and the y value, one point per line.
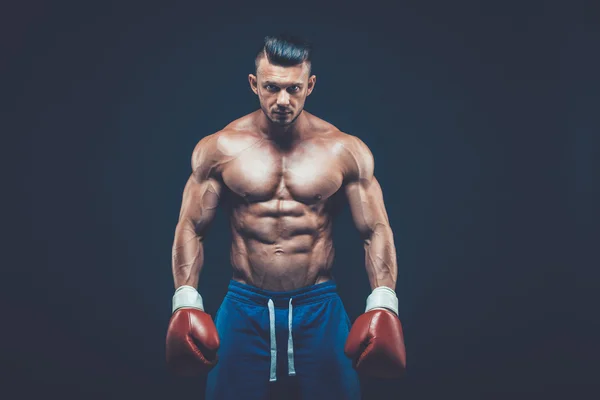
279	251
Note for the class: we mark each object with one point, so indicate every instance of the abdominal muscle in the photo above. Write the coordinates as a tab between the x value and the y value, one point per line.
281	251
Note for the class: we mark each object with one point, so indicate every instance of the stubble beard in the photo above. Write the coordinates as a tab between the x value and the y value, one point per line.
281	124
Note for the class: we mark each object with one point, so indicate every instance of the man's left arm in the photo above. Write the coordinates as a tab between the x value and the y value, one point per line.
376	342
370	217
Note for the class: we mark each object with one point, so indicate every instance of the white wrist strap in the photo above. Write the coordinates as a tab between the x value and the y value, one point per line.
187	296
383	297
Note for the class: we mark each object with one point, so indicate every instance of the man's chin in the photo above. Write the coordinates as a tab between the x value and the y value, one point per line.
282	120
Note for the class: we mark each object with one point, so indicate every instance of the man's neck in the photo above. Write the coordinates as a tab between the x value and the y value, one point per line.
282	135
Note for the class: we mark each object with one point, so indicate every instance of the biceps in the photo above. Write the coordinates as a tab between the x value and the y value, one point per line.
367	206
199	205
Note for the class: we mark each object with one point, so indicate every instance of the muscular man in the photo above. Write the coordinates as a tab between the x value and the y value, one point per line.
282	173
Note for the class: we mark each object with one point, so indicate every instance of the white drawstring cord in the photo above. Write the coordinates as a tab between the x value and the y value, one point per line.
290	350
273	376
291	368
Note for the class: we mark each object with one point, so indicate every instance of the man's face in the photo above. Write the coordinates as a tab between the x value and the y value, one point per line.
282	91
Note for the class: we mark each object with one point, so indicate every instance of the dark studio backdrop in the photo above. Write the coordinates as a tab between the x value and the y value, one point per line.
480	116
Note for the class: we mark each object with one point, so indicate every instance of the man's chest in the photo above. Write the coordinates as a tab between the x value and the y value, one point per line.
307	174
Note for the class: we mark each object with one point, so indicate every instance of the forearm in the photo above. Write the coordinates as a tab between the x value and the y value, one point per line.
187	255
380	257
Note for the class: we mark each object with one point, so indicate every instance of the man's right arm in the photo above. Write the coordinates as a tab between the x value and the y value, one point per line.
192	337
198	209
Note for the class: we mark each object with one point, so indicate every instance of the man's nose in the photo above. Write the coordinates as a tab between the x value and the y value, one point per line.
283	98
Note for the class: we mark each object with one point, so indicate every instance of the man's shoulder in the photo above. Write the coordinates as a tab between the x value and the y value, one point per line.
349	145
221	146
230	141
354	155
330	132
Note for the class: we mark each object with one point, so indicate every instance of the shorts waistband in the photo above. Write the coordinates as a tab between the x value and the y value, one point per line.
309	294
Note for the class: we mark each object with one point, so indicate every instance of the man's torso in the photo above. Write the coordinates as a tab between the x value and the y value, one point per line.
281	201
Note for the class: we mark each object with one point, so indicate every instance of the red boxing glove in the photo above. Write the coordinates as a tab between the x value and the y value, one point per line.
376	341
192	338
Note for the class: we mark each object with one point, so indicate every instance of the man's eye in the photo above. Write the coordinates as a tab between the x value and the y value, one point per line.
294	88
270	87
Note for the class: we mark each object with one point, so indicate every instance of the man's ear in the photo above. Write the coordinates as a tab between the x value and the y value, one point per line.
253	84
311	84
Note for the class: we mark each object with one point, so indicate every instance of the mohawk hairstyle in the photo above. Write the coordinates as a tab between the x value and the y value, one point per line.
285	50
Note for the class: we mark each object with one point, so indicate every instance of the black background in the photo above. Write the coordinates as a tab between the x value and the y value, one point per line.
482	117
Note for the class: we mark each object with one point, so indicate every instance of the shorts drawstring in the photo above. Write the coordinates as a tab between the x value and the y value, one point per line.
291	368
273	376
290	350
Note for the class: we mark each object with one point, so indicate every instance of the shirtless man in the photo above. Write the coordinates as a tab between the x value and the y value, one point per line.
281	173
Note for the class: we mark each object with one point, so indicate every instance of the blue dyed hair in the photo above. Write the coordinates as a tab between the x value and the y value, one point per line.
285	51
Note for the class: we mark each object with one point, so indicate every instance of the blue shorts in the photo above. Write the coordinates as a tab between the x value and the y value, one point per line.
287	345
